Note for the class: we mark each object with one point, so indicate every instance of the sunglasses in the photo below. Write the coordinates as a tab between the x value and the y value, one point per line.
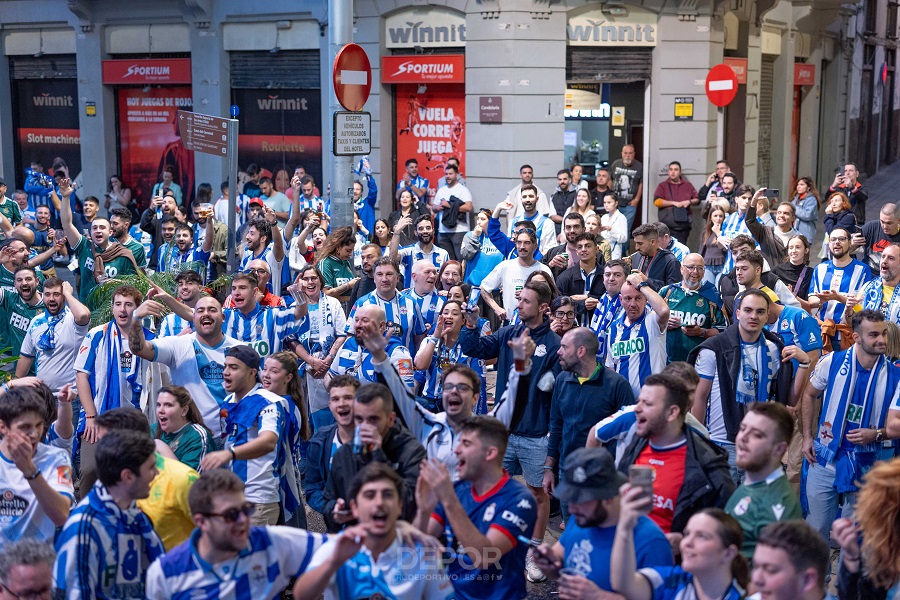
233	514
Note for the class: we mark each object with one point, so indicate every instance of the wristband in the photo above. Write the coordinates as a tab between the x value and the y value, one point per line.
90	417
35	475
233	455
803	366
5	387
549	468
432	339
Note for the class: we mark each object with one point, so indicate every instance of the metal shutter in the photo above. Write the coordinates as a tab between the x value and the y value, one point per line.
288	69
53	66
766	85
608	65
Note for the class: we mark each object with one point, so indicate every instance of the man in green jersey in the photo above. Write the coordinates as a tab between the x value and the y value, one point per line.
14	255
100	257
695	310
17	309
119	230
765	496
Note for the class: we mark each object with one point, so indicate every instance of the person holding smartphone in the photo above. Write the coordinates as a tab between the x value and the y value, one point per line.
846	181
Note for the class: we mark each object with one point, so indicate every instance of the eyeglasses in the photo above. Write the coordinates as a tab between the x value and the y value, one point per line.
260	270
693	267
564	315
40	594
840	239
233	514
462	388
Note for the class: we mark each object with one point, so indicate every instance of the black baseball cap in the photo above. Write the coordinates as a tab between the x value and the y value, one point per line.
589	474
245	354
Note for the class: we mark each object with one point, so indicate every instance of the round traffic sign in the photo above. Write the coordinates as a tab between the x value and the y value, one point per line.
352	77
721	85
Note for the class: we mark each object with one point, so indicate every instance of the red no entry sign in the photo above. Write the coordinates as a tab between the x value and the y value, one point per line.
352	76
721	85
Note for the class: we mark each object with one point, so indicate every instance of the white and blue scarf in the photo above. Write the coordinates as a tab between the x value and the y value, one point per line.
873	299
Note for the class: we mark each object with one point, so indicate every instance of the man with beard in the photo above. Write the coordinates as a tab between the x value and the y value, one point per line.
880	293
370	556
43	239
514	196
857	386
660	266
152	218
265	242
713	185
691	472
424	249
219	259
765	496
833	280
510	275
17	309
14	256
53	338
275	200
261	327
695	310
119	230
563	197
188	287
601	189
742	365
401	312
583	283
544	226
452	205
628	183
256	447
160	257
185	255
674	197
590	484
99	257
636	346
260	268
195	360
225	541
366	284
107	374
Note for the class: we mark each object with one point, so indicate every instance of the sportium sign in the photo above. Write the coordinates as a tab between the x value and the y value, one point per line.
596	28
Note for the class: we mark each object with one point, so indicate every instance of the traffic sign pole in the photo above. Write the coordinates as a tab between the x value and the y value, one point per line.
340	33
232	193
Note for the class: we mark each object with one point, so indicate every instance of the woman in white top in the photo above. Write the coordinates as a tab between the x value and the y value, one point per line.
583	204
614	227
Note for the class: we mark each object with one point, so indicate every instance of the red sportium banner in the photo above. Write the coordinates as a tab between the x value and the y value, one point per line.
434	68
144	71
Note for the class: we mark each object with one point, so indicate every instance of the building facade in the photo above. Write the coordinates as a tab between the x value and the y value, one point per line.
497	83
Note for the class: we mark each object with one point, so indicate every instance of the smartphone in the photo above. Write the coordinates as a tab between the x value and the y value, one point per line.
474	295
642	476
771	193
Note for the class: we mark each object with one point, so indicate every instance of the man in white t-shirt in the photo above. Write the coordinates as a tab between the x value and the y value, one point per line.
510	275
36	489
514	196
454	198
196	361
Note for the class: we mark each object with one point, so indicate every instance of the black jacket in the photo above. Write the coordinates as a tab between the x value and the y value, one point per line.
318	459
553	253
400	450
707	478
571	283
561	201
769	243
727	348
663	269
362	287
728	288
150	224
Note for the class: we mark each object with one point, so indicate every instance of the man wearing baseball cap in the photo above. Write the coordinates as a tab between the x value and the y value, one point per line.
580	560
258	448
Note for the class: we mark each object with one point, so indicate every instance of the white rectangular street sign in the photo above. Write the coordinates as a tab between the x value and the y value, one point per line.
352	133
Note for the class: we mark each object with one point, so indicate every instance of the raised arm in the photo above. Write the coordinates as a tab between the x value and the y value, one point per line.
80	312
623	573
402	223
65	213
277	237
137	343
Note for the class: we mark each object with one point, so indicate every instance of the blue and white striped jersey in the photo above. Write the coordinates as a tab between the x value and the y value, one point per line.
275	267
608	308
733	225
262	328
442	356
172	324
179	260
21	515
261	474
402	313
430	305
409	255
638	350
827	276
356	361
274	555
104	551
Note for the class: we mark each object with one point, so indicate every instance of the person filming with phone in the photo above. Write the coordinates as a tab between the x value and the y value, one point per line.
691	471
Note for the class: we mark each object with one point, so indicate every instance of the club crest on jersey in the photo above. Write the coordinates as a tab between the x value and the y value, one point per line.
489	512
784	324
699	302
540	350
742	506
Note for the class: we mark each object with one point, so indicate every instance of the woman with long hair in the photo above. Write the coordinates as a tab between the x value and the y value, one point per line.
326	335
583	205
118	195
407	207
712	566
381	235
450	274
333	262
282	181
871	570
279	376
839	215
711	250
478	251
614	227
796	272
806	203
438	350
179	425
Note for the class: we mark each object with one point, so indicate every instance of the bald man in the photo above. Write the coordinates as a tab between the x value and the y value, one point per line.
355	360
423	291
695	309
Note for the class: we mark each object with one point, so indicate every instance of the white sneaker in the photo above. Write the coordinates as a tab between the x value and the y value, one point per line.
532	572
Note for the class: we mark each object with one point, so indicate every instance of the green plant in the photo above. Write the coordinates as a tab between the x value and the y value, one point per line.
5	375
